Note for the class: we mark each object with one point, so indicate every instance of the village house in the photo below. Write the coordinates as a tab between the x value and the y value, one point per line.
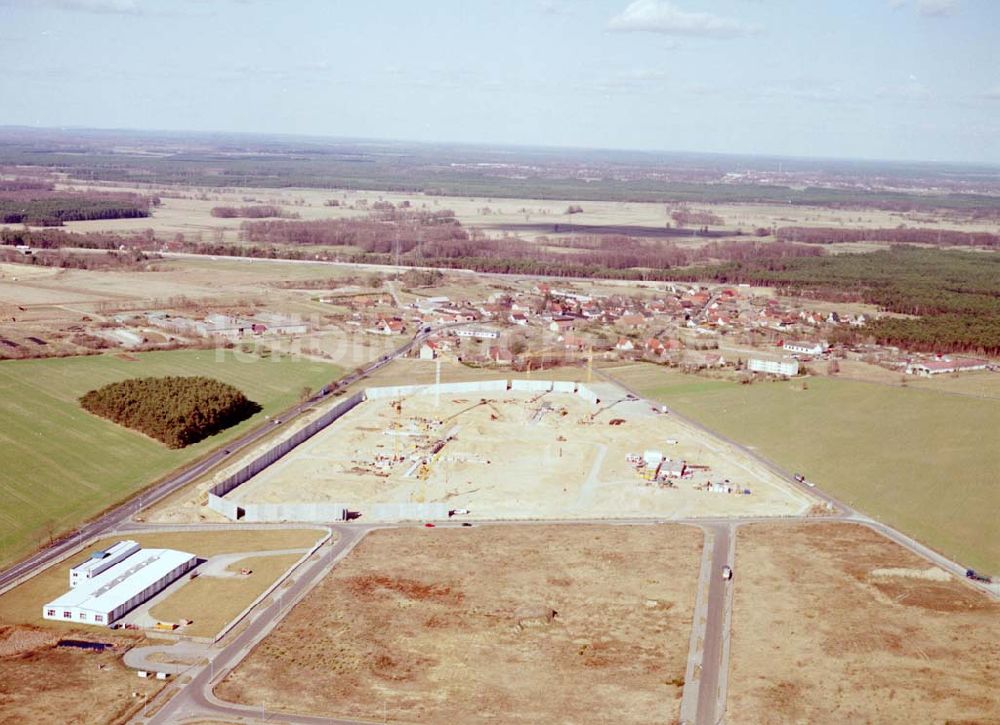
429	350
562	324
388	327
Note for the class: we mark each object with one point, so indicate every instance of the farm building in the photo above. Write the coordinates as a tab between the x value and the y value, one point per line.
945	365
101	561
108	595
480	333
774	367
805	348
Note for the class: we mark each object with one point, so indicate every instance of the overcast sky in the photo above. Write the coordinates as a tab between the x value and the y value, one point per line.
891	79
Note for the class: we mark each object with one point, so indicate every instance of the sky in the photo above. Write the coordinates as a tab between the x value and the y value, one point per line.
880	79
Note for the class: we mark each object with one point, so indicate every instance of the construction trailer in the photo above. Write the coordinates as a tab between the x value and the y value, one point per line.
109	595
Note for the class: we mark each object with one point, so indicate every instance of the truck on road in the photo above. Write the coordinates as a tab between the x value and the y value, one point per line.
977	577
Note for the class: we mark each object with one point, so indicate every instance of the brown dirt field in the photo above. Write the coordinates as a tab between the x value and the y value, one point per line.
48	684
820	636
449	626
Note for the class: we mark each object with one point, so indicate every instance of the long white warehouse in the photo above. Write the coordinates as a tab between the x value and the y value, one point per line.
107	596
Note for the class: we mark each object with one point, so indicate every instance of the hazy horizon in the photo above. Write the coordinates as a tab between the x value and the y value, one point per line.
871	80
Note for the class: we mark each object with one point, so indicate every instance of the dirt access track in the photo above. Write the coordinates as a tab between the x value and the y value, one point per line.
835	623
519	455
531	624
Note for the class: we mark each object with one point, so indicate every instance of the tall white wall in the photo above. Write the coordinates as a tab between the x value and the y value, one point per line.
534	386
587	394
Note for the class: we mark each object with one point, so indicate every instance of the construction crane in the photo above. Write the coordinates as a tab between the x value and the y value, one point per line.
397	406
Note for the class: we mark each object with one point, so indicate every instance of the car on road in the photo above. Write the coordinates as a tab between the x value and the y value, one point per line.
727	573
466	524
977	577
429	525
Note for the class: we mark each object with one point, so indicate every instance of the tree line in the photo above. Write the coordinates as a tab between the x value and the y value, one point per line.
39	207
258	211
177	411
898	235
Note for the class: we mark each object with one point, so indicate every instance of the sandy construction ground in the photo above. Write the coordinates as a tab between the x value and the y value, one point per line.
834	623
456	625
518	455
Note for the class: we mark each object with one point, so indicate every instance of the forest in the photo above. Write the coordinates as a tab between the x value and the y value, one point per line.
27	203
897	235
177	411
952	297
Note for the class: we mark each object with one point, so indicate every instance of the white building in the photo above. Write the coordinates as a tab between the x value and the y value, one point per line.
774	367
107	596
101	561
805	348
479	333
945	365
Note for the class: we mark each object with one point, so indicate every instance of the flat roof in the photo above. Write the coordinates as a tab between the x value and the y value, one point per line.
112	588
98	557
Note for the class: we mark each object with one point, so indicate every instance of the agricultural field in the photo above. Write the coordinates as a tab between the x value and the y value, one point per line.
22	605
60	465
41	682
918	459
192	216
488	624
835	623
517	454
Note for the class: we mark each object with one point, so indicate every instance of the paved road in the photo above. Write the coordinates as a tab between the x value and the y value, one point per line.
121	514
712	664
196	699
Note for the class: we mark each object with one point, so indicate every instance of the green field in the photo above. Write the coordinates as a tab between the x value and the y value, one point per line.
922	461
59	465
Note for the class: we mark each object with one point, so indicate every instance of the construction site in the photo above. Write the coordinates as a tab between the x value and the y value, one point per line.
499	449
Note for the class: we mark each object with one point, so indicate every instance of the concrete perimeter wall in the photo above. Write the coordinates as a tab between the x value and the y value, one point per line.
322	511
532	386
409	511
587	394
301	512
266	459
223	506
481	386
